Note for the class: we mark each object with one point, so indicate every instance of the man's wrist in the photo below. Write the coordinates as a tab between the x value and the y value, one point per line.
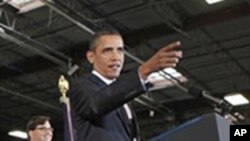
143	72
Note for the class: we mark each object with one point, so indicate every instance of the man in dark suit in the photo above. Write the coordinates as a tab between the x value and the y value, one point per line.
99	99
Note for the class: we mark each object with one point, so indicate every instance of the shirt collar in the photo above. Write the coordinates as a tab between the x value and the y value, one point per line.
105	80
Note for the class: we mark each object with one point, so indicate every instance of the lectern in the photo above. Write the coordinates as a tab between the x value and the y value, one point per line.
209	127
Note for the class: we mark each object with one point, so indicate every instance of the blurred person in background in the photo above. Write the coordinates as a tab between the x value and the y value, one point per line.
39	129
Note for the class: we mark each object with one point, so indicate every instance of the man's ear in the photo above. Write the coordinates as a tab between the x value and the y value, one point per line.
91	56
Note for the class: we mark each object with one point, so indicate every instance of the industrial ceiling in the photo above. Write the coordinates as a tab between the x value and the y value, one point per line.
37	46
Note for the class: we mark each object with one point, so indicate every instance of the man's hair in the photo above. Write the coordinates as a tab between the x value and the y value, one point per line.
36	120
95	38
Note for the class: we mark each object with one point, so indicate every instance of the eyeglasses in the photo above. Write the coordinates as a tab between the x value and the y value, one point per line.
45	129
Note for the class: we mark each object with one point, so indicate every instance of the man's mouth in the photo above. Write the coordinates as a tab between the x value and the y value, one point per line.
114	66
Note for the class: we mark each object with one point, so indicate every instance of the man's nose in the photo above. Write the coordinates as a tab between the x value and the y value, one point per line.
49	132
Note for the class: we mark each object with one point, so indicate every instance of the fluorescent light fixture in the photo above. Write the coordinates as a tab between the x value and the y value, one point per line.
18	134
236	99
2	30
25	5
151	113
161	75
165	78
213	1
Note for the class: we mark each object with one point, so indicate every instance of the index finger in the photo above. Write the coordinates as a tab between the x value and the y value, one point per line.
171	46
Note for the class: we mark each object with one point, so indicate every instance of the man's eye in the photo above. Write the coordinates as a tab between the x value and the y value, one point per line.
107	50
121	49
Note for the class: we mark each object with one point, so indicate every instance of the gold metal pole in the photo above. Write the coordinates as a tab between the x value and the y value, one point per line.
63	86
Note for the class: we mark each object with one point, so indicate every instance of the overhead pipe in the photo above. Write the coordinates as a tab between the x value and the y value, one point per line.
65	15
29	47
38	51
30	99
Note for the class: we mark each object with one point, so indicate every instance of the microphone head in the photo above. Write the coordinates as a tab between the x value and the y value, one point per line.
195	91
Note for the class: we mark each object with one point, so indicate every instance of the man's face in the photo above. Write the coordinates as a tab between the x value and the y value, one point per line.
108	56
42	132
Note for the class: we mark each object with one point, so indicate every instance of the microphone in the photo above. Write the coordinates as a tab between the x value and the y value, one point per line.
201	93
222	107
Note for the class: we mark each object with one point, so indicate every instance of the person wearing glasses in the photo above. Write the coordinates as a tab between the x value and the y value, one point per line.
39	129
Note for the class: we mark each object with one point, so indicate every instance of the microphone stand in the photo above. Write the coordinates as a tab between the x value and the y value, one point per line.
225	109
63	86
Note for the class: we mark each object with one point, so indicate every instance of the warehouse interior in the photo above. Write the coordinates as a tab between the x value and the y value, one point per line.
38	45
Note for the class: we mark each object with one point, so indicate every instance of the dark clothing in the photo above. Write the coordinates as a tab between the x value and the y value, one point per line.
97	107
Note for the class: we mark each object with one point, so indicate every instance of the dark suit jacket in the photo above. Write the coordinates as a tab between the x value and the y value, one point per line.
96	107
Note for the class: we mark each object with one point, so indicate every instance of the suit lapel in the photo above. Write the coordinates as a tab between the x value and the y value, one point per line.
121	112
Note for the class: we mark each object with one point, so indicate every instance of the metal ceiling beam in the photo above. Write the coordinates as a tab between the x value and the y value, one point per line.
82	26
204	19
33	27
218	16
52	6
22	43
22	96
8	32
194	39
230	56
30	65
31	48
